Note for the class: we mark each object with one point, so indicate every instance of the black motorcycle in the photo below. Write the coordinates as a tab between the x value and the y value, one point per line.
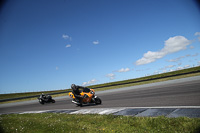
46	99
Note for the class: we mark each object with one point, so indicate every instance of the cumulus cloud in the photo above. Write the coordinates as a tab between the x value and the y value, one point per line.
124	70
95	42
68	46
172	45
111	76
89	82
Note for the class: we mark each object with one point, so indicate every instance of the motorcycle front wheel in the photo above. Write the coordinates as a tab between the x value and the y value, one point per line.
97	100
53	101
41	102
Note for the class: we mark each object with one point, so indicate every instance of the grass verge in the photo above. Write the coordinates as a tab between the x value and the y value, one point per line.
55	122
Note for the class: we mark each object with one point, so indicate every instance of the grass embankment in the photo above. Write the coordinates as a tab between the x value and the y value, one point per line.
154	78
114	85
15	95
148	82
61	123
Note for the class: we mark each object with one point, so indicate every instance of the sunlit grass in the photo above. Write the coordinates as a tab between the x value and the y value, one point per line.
55	122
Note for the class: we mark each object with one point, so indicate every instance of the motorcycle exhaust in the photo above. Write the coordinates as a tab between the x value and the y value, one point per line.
74	102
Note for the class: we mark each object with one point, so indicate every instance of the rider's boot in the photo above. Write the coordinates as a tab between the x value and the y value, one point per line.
81	102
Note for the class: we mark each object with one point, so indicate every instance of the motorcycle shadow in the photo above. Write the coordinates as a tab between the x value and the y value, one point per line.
47	103
87	105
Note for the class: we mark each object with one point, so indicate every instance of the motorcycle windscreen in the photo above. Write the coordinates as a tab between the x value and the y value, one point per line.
86	90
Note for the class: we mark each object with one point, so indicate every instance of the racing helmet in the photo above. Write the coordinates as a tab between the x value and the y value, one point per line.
73	87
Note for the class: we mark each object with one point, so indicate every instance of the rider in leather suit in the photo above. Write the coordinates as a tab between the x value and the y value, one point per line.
76	92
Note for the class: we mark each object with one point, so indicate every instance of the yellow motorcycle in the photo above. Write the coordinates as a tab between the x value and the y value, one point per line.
88	96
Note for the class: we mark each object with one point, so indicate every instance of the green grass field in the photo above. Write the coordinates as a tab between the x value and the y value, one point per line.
65	123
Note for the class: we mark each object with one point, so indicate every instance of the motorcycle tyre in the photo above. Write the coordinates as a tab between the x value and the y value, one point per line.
80	105
41	102
53	101
98	100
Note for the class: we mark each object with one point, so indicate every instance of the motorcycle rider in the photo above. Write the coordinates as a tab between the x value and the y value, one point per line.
43	96
76	92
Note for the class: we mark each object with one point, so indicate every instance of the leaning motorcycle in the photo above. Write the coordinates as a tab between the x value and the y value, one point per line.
48	99
88	95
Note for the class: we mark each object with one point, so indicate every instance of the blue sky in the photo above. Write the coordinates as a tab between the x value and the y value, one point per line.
48	44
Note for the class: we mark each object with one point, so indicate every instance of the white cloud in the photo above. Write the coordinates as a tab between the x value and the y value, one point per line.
124	70
156	72
197	34
164	71
179	68
179	58
166	67
57	68
186	66
172	45
176	59
89	82
111	76
95	42
68	45
64	36
143	70
170	66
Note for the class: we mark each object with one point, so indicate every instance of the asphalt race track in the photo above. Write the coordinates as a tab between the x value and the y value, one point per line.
180	92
